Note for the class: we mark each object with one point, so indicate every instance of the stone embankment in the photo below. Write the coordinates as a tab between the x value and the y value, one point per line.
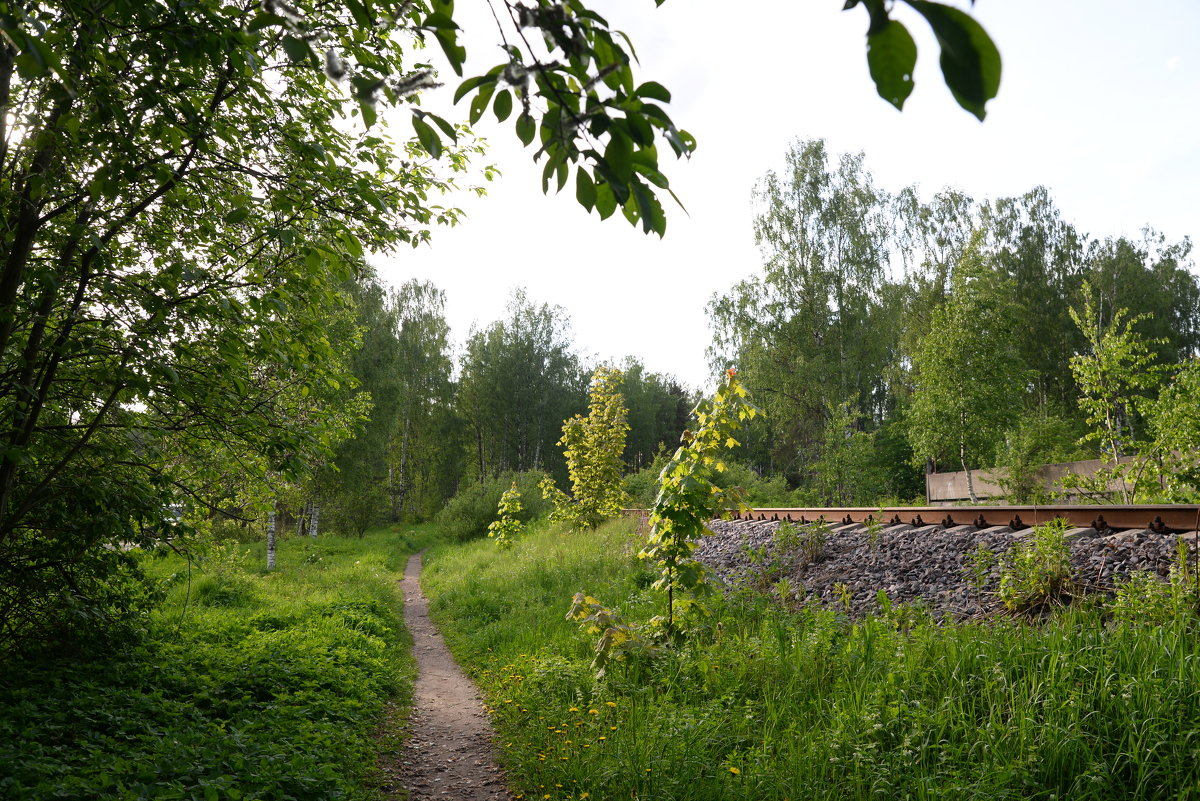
931	564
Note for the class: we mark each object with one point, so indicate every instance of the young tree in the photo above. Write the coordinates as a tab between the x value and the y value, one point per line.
689	496
1118	379
593	446
506	527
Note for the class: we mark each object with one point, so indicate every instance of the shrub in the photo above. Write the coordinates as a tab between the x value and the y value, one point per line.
468	513
1145	599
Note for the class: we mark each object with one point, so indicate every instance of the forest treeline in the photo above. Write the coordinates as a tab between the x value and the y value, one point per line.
881	320
885	334
440	422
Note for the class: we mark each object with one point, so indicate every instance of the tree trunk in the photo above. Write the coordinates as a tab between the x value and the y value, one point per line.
314	518
479	448
402	483
962	455
271	539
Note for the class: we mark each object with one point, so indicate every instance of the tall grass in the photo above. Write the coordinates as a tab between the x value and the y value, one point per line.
769	703
245	684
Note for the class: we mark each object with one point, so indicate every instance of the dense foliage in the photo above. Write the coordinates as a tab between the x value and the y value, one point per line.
243	685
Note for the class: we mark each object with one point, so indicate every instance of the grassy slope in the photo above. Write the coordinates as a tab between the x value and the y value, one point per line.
263	686
771	704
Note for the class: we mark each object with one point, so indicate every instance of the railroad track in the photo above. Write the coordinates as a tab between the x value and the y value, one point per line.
1160	518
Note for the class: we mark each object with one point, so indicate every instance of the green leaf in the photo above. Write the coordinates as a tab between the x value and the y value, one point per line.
446	127
502	106
526	128
297	49
237	215
650	210
970	61
352	244
34	57
265	20
654	91
480	103
362	17
367	108
640	129
585	189
427	137
439	20
606	201
891	57
455	53
471	83
619	156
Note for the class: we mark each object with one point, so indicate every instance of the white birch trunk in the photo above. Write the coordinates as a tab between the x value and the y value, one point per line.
271	539
313	519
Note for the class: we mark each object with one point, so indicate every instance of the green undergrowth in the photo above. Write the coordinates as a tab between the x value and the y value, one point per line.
768	703
244	685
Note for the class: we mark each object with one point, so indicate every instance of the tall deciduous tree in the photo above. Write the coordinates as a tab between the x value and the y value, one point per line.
968	376
816	310
519	379
423	464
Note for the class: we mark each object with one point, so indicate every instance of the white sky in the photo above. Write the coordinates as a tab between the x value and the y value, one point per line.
1099	102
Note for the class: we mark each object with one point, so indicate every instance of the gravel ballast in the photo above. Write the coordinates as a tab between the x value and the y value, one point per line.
929	565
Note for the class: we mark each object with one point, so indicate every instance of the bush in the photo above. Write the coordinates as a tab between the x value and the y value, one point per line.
468	513
1037	573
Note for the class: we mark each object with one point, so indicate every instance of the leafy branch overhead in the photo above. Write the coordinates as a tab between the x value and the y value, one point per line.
969	59
570	79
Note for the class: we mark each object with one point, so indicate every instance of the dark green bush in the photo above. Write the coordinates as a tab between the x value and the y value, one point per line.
467	514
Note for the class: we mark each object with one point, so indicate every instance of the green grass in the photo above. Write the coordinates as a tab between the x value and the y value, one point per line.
245	684
768	703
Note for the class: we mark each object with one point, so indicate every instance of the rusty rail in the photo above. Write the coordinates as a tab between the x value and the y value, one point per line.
1161	518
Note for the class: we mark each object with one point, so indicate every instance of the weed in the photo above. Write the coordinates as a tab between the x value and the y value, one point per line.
1036	574
813	541
980	562
844	595
1145	599
874	526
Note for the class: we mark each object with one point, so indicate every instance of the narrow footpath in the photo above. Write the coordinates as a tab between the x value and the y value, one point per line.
448	753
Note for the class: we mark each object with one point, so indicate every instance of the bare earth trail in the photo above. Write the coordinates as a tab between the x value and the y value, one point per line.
448	753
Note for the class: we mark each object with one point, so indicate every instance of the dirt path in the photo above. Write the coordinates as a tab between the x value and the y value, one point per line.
449	752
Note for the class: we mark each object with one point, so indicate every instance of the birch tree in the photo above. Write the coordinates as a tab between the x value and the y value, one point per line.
969	381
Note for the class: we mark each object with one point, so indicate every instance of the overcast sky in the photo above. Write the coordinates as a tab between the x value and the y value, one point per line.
1098	102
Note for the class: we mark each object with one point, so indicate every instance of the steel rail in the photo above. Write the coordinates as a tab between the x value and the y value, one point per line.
1154	517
